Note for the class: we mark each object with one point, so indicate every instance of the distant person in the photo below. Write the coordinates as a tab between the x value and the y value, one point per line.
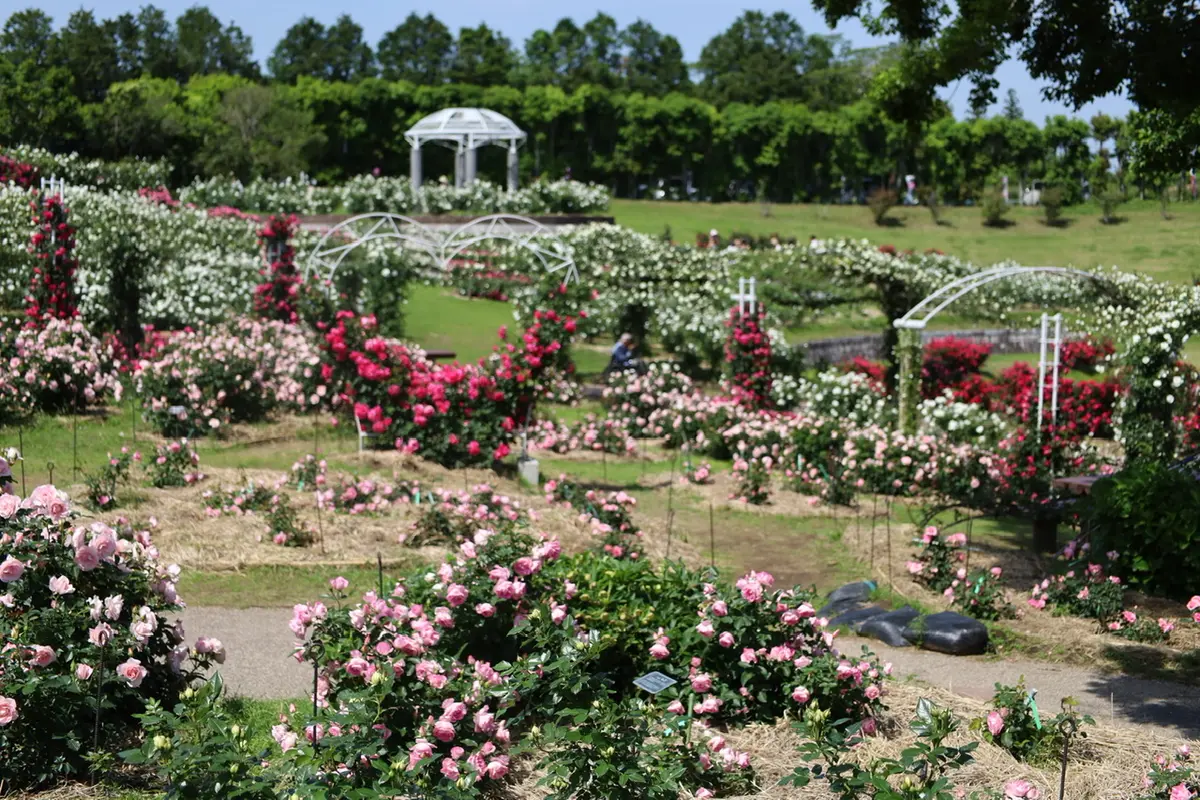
624	357
701	241
6	477
775	243
714	239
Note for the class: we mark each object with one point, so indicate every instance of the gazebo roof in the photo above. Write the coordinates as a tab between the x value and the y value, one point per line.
477	125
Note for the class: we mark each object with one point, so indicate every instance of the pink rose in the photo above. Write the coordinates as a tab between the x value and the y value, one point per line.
705	629
100	635
8	710
872	692
720	609
338	584
61	585
42	656
211	647
659	651
11	569
725	639
132	671
749	656
485	720
676	707
9	503
1179	791
485	609
449	769
456	594
83	672
701	683
1021	788
443	730
800	694
87	558
421	750
995	723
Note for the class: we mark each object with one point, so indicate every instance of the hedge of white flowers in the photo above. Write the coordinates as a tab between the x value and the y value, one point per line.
197	268
129	174
367	193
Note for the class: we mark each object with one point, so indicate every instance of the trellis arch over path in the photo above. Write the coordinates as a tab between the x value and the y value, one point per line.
442	247
913	322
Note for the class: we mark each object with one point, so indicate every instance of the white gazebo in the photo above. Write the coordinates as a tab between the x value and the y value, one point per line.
464	130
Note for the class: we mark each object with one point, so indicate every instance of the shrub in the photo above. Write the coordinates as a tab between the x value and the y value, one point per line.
239	372
1086	355
175	464
1109	200
61	365
881	201
995	208
938	557
752	476
84	617
1015	724
1052	200
362	496
52	291
609	516
1149	514
102	486
748	357
590	434
949	361
308	472
449	517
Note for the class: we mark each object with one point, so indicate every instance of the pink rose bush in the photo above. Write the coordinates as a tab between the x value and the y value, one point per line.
607	515
84	613
449	516
57	367
241	371
175	463
590	435
364	496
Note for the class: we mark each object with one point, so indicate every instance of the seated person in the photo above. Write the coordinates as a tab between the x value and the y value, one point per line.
623	356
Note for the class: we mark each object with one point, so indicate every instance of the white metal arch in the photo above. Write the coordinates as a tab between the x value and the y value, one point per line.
442	248
968	283
524	232
338	241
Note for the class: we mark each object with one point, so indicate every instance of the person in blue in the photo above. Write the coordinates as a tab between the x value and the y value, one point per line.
624	356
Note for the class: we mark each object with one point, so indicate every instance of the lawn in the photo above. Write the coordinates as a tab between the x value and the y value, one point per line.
1143	240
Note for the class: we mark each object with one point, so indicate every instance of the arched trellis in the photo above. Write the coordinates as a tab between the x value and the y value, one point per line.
443	248
913	322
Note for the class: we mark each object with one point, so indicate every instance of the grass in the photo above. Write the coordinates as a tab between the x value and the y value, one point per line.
276	587
1143	241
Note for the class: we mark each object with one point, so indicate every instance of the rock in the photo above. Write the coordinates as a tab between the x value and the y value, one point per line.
948	632
845	598
889	628
855	617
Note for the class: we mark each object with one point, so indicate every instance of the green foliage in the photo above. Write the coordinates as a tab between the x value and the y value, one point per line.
1018	725
1108	200
995	208
1052	202
920	773
102	485
1150	515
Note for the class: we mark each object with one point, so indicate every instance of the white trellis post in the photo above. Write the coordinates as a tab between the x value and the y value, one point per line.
745	296
55	186
1049	341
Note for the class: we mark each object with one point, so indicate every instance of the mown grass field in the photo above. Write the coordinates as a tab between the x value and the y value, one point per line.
1143	240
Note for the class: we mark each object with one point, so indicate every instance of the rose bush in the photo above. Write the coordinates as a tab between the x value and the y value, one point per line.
85	618
56	367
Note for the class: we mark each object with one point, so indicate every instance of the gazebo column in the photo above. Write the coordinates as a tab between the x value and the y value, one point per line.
471	156
513	163
414	165
460	165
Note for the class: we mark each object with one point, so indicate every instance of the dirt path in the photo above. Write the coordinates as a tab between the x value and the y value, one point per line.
260	665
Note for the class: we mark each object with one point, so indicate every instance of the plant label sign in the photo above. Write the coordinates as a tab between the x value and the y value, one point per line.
654	682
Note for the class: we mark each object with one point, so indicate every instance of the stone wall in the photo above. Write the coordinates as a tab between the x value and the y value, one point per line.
834	351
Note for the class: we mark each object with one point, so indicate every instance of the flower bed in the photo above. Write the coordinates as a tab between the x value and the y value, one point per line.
55	368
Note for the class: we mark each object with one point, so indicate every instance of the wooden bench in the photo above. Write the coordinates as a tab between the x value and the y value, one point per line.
440	355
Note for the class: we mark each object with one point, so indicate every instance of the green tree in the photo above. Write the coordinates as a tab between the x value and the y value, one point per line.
311	50
418	50
759	58
204	47
653	62
29	36
145	118
260	135
482	57
159	49
1012	106
37	105
89	53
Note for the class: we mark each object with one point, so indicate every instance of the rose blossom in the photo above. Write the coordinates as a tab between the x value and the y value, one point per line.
11	569
995	723
132	671
8	710
61	585
83	671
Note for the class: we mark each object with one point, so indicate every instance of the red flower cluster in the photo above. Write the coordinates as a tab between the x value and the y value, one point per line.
17	173
949	361
1085	408
276	298
453	414
1085	354
52	290
748	357
874	370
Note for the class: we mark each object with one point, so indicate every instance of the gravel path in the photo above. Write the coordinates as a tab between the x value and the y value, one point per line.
260	665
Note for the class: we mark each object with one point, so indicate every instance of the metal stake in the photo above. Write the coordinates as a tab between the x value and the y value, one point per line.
316	669
21	447
379	560
670	526
712	538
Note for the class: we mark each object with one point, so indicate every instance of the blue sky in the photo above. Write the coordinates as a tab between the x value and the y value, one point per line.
693	22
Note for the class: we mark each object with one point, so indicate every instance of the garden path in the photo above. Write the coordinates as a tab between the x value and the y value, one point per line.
259	665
